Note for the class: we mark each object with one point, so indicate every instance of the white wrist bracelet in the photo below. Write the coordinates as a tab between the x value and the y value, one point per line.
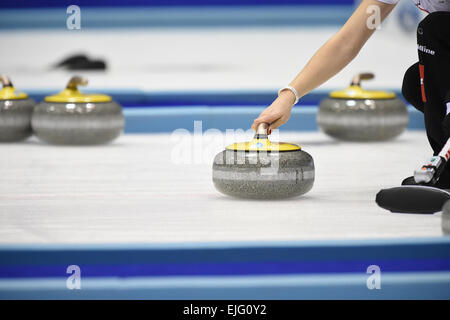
292	89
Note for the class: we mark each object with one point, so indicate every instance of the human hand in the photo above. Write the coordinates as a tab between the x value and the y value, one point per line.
278	113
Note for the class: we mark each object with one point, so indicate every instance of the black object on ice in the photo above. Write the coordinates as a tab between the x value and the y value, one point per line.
423	197
413	199
81	62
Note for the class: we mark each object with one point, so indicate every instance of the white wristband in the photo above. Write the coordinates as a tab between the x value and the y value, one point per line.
292	89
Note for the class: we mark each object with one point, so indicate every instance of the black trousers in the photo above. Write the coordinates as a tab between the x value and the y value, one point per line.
426	84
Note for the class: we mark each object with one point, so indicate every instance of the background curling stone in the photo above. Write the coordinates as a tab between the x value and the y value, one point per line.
355	114
261	169
446	218
15	113
72	117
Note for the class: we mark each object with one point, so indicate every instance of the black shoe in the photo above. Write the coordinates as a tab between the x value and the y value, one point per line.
81	62
443	182
72	60
409	182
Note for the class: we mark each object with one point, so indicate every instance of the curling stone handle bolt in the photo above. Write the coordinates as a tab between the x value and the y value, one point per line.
262	128
356	81
76	81
5	81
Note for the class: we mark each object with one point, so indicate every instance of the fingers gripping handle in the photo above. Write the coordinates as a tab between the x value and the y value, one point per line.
262	131
262	128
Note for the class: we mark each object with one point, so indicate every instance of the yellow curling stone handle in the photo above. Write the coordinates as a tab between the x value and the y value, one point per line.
355	91
8	91
261	142
71	94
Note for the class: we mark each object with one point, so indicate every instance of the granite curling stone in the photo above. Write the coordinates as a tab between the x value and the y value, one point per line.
15	113
261	169
446	218
355	114
74	118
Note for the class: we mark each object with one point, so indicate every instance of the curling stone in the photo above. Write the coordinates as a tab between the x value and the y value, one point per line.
74	118
446	218
261	169
15	113
355	114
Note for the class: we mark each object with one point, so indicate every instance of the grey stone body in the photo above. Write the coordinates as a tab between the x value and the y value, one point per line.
78	123
263	175
15	119
446	218
363	119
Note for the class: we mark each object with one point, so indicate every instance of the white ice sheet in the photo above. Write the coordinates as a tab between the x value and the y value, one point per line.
134	191
197	59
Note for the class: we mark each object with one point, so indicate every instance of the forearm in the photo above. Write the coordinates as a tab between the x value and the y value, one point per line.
331	58
340	50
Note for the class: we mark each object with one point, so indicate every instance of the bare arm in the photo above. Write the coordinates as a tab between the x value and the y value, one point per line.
331	58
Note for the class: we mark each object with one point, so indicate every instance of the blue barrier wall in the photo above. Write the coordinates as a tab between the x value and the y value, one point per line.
45	14
154	3
411	269
176	16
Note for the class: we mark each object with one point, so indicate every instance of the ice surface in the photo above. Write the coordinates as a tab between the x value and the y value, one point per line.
136	190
